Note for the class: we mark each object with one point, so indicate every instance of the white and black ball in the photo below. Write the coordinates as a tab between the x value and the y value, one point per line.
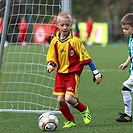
48	122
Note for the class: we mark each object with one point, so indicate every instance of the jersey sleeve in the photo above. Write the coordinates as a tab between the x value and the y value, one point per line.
51	55
82	52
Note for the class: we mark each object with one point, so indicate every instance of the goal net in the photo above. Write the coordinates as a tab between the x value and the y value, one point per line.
26	86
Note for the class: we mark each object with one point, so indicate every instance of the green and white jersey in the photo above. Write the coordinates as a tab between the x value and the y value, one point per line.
130	51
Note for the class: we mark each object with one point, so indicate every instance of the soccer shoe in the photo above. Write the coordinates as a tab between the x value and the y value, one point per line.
86	116
124	118
69	124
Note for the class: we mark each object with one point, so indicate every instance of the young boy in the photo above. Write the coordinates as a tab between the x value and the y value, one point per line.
67	56
127	27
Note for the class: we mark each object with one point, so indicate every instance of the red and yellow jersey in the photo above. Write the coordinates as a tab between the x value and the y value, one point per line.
69	54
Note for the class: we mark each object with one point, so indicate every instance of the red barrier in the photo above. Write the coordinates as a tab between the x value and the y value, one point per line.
42	32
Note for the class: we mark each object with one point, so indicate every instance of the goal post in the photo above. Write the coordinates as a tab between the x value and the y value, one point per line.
25	85
3	35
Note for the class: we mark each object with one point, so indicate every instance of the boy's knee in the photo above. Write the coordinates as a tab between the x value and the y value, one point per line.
61	100
126	94
68	98
125	89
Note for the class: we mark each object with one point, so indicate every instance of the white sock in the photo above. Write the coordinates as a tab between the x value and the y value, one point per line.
127	102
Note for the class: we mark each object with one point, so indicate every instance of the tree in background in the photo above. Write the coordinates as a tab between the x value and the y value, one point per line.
109	11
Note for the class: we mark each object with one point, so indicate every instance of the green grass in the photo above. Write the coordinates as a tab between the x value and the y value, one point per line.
104	100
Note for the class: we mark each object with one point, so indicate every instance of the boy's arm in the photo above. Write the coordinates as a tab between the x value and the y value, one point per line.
125	64
51	57
97	76
85	58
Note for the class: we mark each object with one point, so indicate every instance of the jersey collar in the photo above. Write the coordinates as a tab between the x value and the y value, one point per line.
70	35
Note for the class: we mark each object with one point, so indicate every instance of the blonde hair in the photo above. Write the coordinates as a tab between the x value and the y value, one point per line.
64	14
127	19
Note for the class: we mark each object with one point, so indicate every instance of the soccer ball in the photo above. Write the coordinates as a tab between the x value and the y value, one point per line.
48	122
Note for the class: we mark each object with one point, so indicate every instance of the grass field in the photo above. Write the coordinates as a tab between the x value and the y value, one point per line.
104	100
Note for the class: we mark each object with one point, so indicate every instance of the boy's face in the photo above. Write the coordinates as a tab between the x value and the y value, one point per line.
127	30
64	26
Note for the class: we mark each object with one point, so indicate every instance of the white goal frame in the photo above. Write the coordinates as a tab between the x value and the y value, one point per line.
26	86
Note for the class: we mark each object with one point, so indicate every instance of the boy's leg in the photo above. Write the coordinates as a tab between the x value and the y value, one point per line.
127	102
66	112
127	99
71	97
84	111
68	115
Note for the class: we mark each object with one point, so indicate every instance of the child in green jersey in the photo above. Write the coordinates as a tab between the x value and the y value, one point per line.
127	27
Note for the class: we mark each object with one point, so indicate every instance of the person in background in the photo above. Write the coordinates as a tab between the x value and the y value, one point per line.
1	25
127	27
53	29
68	56
22	27
76	30
54	24
89	26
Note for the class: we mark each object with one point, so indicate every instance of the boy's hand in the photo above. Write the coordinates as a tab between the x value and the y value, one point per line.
123	66
97	77
50	67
